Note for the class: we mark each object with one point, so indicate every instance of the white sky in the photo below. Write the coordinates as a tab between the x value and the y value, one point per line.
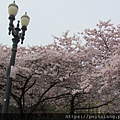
52	17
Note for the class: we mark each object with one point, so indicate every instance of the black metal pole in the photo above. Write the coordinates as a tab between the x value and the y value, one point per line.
9	79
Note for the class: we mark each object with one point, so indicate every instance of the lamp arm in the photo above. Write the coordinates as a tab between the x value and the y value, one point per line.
11	26
24	28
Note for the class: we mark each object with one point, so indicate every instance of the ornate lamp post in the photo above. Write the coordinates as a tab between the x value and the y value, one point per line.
17	36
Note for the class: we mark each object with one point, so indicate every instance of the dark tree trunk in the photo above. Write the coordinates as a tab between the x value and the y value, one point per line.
72	107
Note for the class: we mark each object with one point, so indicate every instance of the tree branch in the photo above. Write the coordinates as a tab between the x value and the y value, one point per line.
95	106
39	100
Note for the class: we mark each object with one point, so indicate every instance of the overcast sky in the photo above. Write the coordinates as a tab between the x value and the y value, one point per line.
52	17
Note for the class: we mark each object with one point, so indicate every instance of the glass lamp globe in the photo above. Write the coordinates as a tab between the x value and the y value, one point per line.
12	9
25	20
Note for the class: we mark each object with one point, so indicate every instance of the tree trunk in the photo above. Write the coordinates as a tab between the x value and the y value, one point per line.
72	108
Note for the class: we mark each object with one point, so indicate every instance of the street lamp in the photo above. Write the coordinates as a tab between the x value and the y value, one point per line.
17	36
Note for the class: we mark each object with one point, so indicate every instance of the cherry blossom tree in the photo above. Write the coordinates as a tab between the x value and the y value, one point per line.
104	42
51	65
67	74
